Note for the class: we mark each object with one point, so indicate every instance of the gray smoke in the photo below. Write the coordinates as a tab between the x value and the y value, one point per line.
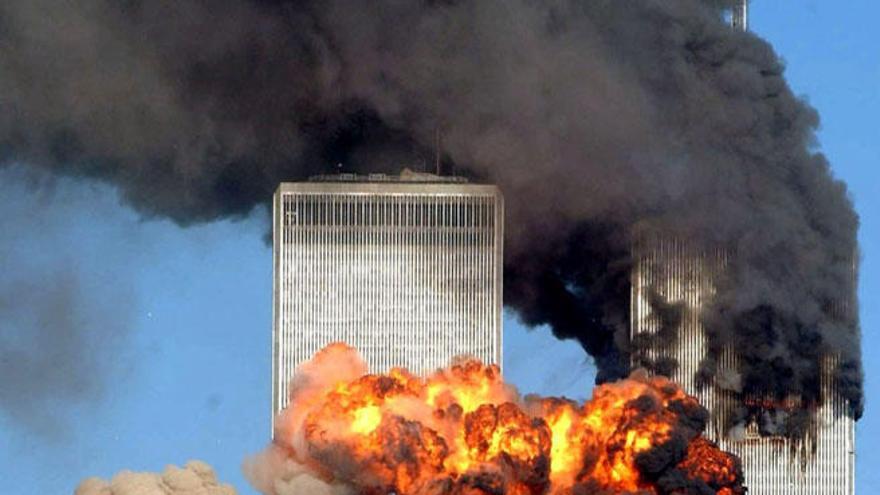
61	323
594	117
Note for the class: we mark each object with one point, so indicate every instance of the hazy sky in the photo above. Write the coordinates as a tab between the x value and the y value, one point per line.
167	348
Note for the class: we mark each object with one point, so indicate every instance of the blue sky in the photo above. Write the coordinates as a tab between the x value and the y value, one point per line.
184	314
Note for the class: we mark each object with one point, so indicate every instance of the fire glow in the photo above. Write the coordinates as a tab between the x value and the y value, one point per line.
464	431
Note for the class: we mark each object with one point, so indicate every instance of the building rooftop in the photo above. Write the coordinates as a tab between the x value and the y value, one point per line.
406	175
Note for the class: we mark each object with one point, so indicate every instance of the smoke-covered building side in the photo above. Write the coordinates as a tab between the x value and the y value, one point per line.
789	443
406	269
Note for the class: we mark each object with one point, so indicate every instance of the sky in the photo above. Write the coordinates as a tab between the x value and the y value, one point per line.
168	354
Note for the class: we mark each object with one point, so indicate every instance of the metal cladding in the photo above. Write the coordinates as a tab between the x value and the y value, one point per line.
740	15
672	281
407	270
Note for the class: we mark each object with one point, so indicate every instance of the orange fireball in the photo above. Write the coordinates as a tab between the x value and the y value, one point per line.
463	431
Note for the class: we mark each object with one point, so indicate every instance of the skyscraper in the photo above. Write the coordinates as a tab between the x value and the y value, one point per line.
406	269
672	281
739	16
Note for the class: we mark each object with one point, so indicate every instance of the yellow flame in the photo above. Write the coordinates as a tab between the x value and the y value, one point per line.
562	455
366	420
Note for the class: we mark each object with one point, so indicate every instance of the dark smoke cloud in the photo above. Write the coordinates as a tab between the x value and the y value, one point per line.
594	118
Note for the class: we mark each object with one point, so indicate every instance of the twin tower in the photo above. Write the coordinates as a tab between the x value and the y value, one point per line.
408	270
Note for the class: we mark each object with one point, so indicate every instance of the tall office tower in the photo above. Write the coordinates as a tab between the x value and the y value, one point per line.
739	16
671	281
406	269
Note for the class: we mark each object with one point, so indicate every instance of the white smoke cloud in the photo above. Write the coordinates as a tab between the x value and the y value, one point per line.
196	478
272	472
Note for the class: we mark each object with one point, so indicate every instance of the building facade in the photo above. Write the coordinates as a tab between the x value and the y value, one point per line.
407	269
671	281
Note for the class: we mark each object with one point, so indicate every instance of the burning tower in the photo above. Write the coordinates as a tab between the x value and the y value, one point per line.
739	17
673	281
406	269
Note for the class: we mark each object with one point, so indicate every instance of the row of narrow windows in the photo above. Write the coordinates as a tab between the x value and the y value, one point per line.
394	211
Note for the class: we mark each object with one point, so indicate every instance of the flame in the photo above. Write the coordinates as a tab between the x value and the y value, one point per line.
464	431
366	420
706	462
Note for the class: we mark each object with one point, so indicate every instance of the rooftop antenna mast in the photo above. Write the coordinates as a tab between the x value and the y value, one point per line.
437	145
739	19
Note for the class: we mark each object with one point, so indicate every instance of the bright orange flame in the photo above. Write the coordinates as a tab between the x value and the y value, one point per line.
463	431
563	456
366	419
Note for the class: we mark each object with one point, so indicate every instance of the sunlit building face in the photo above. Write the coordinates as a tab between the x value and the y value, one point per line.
408	272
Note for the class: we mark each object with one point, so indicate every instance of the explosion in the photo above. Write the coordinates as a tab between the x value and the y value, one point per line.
463	431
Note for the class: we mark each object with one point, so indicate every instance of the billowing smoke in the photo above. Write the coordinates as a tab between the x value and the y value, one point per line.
596	118
196	478
274	472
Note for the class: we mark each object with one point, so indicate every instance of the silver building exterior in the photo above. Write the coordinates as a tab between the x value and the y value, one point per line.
671	270
407	269
739	15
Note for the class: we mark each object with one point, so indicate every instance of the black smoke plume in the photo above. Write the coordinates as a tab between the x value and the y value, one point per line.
592	116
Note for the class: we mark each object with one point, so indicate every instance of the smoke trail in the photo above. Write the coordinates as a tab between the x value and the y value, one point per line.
595	118
62	324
